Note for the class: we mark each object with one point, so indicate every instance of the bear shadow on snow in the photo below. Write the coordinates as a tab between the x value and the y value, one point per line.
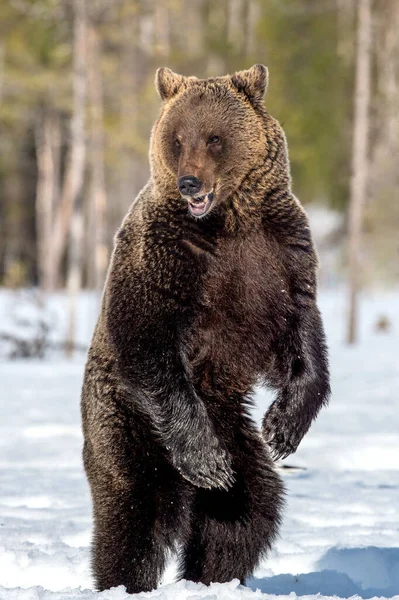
368	572
211	289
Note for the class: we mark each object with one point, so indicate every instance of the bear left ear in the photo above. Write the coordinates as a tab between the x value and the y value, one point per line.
253	82
168	83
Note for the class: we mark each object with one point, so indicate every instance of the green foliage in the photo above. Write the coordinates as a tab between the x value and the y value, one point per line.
310	93
310	84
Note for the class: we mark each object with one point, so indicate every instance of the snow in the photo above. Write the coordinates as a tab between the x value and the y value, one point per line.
340	535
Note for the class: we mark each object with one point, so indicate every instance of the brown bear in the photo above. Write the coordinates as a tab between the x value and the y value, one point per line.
211	289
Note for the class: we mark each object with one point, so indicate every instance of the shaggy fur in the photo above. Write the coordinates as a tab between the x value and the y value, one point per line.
195	312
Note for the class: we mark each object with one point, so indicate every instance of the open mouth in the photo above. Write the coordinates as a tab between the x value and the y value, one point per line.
199	206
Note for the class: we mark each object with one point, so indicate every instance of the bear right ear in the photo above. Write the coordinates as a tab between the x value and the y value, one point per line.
253	82
168	83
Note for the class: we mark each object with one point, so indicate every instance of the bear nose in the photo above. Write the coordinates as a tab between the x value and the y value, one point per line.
189	185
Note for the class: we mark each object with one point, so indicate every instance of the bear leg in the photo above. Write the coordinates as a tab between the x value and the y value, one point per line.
231	531
125	550
138	515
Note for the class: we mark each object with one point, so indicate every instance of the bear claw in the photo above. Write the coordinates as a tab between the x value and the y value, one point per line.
208	469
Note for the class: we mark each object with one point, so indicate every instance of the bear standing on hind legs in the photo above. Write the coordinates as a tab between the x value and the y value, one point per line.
211	289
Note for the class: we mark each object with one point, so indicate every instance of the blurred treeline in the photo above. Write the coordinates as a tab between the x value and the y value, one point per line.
77	102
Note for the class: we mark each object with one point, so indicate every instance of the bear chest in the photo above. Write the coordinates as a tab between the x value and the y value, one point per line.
241	309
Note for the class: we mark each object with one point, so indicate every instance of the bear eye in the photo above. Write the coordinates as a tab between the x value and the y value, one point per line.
177	143
214	139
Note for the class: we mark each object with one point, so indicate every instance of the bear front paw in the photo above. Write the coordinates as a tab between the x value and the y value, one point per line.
282	438
207	467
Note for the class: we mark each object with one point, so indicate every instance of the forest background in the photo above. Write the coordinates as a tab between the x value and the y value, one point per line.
77	102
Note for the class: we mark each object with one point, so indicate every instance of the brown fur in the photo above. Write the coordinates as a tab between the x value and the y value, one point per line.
195	312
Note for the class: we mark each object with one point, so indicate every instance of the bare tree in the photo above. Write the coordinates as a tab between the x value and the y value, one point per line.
75	171
130	66
358	186
97	196
382	214
44	193
75	164
235	31
252	16
74	276
1	68
161	18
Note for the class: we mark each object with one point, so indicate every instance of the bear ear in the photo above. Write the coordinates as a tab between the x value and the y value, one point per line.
168	83
253	82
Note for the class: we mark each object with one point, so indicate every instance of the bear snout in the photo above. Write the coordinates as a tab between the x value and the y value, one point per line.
189	185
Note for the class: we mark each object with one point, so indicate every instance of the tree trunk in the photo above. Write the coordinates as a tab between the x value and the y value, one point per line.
75	165
252	17
97	197
1	69
75	174
44	195
358	185
235	32
129	71
162	26
382	213
74	276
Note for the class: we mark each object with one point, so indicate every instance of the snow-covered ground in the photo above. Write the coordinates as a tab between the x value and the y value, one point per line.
341	529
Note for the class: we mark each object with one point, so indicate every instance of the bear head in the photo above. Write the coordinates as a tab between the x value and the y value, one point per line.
210	134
